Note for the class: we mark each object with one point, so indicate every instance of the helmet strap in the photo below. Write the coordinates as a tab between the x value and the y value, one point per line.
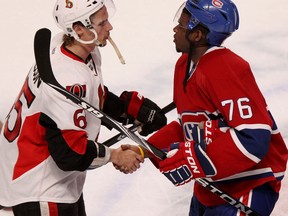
192	47
93	41
187	74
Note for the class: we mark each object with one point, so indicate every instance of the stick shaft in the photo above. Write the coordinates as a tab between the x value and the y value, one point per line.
133	128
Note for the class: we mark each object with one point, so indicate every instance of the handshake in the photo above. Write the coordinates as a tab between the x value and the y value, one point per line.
177	167
127	158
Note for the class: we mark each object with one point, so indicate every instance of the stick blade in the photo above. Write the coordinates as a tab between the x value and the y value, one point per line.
42	53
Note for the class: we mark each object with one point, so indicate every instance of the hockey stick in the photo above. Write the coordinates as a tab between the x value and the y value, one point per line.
133	128
42	56
226	197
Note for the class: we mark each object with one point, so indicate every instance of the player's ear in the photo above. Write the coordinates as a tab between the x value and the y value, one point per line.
195	36
78	28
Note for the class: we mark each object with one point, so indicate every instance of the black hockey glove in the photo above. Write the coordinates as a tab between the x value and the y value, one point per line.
144	110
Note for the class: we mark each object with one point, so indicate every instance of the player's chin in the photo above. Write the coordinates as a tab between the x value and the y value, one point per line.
176	46
103	43
178	49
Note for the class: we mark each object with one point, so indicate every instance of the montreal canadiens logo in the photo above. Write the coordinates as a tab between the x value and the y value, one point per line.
77	89
217	3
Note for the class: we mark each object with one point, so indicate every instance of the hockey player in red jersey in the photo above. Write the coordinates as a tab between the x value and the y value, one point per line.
47	142
225	131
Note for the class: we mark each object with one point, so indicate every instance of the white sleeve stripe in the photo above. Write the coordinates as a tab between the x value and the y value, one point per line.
279	174
44	209
275	131
100	161
208	159
246	174
242	148
253	126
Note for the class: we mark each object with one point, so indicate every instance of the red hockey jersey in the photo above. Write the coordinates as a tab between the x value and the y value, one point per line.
252	150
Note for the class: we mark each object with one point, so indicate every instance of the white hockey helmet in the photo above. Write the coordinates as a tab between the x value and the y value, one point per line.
68	12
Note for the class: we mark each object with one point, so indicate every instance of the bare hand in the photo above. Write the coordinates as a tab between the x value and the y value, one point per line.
126	161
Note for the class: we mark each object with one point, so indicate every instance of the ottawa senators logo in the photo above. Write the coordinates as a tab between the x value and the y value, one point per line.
69	4
78	90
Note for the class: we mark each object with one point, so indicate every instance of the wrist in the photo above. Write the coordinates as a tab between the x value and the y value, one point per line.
102	157
113	156
137	149
141	151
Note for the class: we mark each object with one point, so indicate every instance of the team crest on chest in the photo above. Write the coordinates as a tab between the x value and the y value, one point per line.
189	120
77	89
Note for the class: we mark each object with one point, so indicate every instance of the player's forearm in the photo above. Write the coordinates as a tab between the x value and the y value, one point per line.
241	148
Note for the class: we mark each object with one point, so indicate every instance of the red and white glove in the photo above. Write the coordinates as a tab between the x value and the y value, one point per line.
144	110
186	161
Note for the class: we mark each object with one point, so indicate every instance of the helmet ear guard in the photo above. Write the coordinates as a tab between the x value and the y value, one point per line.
216	38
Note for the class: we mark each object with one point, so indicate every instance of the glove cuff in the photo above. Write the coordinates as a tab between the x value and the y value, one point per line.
133	102
102	157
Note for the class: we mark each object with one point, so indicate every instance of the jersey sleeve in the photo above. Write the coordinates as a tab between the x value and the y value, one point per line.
70	149
237	98
167	135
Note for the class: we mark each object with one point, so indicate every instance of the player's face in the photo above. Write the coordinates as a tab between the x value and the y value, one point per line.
180	40
101	25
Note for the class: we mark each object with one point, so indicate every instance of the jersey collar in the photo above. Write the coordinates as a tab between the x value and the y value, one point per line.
70	54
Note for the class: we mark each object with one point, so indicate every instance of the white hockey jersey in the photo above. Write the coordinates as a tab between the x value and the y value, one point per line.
28	171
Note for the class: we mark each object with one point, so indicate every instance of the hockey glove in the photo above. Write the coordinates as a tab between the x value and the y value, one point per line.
186	161
144	110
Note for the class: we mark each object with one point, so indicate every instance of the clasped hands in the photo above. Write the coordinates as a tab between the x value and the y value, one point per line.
127	158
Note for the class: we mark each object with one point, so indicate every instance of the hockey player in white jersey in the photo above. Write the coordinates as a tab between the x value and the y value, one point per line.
47	142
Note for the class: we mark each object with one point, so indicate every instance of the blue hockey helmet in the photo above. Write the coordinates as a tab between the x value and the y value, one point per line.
219	16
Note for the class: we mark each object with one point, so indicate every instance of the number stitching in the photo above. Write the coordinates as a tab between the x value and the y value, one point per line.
244	109
11	135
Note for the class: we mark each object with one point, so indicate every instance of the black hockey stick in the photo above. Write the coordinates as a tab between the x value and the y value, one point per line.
42	56
133	128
